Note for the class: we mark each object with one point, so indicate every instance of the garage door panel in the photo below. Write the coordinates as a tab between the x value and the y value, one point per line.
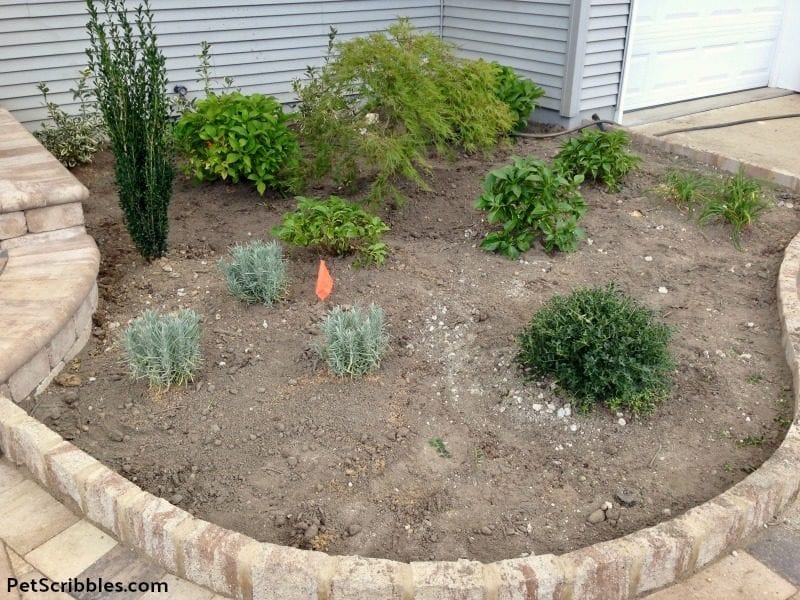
683	49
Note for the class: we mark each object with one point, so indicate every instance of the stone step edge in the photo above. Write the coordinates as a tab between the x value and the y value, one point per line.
44	363
233	564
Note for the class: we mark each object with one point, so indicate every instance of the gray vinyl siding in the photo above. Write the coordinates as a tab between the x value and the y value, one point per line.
605	48
530	36
262	45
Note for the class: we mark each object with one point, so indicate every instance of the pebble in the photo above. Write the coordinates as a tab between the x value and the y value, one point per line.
218	442
648	259
573	428
597	516
627	496
176	499
115	435
354	529
71	397
663	290
262	390
607	505
622	422
292	461
486	530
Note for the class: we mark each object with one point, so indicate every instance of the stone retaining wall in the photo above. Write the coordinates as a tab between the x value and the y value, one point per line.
233	564
48	265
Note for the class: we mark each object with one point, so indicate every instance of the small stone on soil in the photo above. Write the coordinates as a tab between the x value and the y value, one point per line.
597	516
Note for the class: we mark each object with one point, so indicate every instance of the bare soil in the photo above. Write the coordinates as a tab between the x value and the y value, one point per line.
269	443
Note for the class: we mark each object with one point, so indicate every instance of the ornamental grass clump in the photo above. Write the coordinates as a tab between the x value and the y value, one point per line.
256	272
130	84
600	346
163	349
355	340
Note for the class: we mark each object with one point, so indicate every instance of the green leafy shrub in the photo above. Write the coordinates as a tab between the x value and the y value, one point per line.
355	340
518	93
164	349
739	200
256	272
685	188
130	83
598	155
236	136
600	346
72	139
528	197
335	226
378	102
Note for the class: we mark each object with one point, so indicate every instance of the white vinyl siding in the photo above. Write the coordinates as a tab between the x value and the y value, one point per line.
530	36
262	45
605	48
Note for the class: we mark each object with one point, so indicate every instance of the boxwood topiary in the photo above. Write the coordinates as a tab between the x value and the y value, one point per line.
600	346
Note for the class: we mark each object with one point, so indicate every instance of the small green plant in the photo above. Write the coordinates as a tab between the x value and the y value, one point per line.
236	136
685	188
739	200
256	272
440	446
751	441
600	346
354	340
782	422
598	155
335	226
379	102
518	93
164	349
480	456
528	197
72	139
755	378
130	84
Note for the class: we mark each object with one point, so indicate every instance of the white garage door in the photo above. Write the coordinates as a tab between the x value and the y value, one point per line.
683	49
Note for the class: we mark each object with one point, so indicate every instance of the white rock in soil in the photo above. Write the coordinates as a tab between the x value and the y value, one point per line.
567	410
745	356
663	290
536	407
560	413
648	259
573	428
622	422
597	516
607	505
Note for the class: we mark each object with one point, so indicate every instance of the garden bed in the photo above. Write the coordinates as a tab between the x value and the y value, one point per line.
269	443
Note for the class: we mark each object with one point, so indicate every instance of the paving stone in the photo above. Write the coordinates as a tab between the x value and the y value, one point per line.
23	381
12	225
50	218
739	577
779	549
30	516
120	565
179	589
71	552
9	475
5	574
41	238
25	572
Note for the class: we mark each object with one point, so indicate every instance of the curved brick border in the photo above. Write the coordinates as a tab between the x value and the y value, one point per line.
233	564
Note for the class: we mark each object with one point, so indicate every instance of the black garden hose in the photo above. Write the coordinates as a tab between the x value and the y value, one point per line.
597	122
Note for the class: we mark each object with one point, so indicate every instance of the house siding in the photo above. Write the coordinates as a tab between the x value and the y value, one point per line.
603	59
262	45
530	36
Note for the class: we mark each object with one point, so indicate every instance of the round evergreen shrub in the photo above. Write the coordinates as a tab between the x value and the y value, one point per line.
600	346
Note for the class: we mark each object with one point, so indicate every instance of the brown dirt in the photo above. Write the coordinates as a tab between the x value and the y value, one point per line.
269	443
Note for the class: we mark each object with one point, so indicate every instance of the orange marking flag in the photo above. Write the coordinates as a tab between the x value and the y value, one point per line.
324	281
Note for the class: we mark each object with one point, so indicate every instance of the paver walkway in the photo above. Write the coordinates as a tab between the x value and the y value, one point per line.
39	537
